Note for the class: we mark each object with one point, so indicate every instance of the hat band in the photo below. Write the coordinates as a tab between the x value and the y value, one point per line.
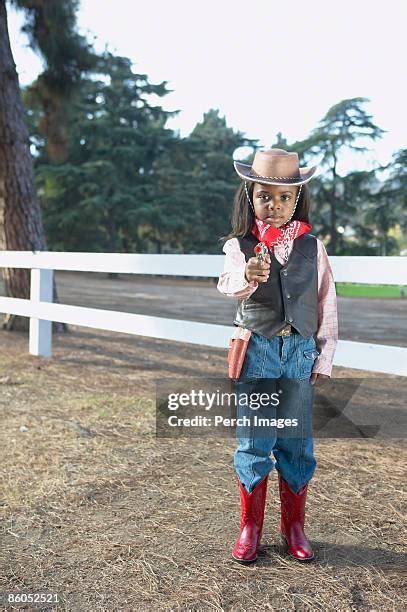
289	178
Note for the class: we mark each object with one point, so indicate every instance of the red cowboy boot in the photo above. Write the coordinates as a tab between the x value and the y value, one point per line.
292	521
251	522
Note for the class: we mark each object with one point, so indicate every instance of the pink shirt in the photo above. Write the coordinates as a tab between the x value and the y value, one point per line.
232	283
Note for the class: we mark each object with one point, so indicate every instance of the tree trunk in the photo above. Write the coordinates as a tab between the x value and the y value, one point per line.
21	221
53	124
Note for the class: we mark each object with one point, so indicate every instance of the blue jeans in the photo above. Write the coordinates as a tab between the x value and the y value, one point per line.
280	365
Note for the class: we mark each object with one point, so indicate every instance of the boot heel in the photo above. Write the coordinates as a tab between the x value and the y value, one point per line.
244	561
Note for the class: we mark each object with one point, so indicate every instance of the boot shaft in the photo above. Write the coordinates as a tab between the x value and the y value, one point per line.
253	504
292	504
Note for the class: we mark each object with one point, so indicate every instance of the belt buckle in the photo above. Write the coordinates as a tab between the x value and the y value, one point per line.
286	331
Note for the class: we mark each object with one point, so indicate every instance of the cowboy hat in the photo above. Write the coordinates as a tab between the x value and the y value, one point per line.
275	167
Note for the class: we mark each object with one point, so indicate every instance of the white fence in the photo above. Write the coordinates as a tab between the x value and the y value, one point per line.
41	311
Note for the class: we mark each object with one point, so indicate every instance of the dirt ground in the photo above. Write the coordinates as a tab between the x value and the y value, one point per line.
98	509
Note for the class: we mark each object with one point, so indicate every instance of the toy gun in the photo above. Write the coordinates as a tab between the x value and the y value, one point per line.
261	251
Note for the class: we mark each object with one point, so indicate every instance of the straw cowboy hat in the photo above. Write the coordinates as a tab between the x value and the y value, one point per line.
275	167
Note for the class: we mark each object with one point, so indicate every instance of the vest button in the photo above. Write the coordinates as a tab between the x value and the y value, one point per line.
290	319
288	295
285	272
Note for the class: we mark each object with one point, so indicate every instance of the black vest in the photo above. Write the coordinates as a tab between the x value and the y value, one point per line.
289	296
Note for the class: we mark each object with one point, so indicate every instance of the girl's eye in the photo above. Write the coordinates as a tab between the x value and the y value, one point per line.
283	197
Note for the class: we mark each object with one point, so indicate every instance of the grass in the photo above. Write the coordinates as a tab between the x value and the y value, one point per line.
370	291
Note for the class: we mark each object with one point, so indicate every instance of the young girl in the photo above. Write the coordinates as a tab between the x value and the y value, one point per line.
287	312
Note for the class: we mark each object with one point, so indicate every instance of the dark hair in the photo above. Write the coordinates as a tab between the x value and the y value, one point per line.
243	216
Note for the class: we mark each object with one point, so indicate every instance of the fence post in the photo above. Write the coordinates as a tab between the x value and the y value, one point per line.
41	290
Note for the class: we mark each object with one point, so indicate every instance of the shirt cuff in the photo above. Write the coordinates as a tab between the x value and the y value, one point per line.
322	366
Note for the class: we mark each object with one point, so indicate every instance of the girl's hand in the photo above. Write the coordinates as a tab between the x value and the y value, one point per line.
315	377
256	270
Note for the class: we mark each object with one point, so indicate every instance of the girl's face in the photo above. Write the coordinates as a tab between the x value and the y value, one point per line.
274	204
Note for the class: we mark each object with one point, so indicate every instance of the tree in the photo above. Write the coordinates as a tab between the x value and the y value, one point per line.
193	184
389	205
213	179
343	124
167	218
97	199
395	186
51	29
19	205
357	192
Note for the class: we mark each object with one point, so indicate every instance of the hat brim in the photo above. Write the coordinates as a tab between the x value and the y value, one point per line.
246	173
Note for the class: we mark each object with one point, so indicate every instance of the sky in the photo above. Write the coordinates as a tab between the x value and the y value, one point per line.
267	66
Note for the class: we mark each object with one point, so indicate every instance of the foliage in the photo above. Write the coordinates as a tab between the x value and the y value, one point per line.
113	178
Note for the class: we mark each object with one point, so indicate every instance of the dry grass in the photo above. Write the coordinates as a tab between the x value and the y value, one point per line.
97	508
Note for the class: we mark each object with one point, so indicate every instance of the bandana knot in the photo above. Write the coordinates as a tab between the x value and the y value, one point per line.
279	236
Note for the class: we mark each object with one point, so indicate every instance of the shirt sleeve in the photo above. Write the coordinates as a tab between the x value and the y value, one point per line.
232	281
326	337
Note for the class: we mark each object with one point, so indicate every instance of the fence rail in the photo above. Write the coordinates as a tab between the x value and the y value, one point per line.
41	311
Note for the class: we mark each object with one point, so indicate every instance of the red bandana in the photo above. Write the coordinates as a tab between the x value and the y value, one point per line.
279	235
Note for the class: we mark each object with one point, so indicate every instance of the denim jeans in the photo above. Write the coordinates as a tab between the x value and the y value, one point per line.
283	365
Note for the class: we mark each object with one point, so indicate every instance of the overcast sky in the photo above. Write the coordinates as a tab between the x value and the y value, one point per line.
267	66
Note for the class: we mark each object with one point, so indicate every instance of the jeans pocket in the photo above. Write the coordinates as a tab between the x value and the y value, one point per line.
308	359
